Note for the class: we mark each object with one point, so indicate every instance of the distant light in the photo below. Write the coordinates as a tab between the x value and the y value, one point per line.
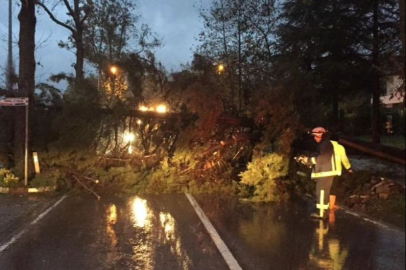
161	109
129	137
130	149
139	122
220	68
113	70
143	108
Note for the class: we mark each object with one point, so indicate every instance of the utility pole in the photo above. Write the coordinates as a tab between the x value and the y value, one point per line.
10	68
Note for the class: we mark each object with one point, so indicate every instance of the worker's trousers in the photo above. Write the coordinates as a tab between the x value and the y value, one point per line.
324	183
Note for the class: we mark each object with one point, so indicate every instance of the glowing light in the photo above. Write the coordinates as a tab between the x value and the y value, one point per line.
140	212
129	137
111	220
220	68
168	222
139	122
36	162
112	214
143	108
113	70
130	149
161	109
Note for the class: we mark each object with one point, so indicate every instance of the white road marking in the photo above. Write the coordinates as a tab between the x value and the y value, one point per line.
17	236
225	252
377	223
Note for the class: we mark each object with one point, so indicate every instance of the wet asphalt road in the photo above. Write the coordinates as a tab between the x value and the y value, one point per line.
274	237
116	233
163	232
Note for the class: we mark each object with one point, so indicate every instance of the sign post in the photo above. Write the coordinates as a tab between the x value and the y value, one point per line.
20	102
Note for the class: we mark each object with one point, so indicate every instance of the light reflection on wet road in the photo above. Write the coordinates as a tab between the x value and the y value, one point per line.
263	237
164	233
116	233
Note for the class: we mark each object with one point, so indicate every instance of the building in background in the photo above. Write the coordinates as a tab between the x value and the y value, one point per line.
393	105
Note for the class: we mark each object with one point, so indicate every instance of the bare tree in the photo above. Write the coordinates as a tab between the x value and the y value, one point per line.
79	11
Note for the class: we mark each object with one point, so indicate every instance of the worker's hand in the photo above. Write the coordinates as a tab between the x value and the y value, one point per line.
302	159
350	171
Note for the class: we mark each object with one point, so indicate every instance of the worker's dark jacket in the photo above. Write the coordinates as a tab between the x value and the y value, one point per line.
325	161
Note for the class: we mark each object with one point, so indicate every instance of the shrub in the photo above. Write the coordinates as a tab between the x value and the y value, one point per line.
263	174
8	179
47	178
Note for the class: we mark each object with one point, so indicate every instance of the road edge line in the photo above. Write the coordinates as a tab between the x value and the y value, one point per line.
377	223
43	214
221	246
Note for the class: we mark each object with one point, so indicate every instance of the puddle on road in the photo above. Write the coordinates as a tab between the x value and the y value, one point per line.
139	234
265	236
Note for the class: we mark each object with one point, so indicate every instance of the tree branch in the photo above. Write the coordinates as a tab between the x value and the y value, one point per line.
39	3
72	13
87	13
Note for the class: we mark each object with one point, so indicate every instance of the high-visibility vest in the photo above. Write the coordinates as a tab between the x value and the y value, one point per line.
339	157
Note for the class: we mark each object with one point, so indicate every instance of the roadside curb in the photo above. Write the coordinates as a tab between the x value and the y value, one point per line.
26	190
372	220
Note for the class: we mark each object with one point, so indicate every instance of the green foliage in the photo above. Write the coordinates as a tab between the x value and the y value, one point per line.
48	178
263	174
8	179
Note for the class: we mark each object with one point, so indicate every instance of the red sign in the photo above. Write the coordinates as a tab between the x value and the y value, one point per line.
14	102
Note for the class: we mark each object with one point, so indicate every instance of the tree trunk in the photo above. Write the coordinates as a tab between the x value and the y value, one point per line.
80	54
26	79
240	93
402	34
376	93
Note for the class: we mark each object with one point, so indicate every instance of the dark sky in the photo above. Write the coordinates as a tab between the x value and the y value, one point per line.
177	22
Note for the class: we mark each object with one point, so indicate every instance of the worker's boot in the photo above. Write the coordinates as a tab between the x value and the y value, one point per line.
333	205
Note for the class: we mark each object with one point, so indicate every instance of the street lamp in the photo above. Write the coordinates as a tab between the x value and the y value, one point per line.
129	137
220	68
113	70
161	109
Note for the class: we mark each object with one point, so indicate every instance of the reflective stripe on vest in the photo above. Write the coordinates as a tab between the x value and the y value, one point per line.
325	174
335	170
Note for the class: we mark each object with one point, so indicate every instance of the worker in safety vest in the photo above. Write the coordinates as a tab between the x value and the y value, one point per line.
326	165
340	159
